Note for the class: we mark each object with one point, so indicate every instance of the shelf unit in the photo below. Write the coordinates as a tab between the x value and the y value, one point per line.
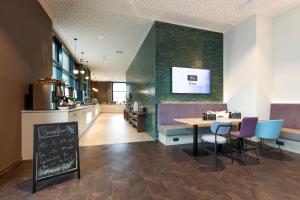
136	118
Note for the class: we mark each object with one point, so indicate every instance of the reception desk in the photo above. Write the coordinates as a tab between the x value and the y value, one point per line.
84	115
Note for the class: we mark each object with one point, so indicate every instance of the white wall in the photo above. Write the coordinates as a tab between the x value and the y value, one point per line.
265	61
286	82
239	67
248	61
262	63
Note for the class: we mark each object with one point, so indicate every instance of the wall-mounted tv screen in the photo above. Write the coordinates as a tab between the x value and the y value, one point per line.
190	80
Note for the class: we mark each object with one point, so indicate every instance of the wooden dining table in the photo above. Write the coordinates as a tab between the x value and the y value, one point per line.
200	123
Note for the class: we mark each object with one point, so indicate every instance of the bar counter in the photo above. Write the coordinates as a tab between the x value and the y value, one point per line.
84	115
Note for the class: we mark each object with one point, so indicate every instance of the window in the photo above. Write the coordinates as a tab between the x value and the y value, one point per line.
65	67
55	72
56	58
119	92
66	78
62	63
54	51
66	61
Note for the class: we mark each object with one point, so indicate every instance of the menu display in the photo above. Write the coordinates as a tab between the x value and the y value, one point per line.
55	151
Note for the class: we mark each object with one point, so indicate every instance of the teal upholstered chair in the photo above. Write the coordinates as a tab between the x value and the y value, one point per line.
269	129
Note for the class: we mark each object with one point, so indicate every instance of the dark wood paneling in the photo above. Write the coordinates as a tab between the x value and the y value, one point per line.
105	91
25	54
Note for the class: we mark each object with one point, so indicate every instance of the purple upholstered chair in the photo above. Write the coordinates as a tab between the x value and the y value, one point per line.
247	130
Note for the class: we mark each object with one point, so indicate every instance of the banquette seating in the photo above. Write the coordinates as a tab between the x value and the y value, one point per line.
290	133
172	132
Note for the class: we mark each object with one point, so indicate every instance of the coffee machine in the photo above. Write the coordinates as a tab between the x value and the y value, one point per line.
48	94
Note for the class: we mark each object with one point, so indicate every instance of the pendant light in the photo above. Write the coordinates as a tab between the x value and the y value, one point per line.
87	77
82	71
75	71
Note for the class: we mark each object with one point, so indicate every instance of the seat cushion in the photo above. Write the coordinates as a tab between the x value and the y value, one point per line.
235	133
290	134
175	130
212	139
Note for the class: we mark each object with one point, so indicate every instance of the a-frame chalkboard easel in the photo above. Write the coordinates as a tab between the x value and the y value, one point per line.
55	151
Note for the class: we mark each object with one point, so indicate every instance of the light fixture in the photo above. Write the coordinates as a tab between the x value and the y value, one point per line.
81	59
100	37
83	71
75	71
87	77
95	89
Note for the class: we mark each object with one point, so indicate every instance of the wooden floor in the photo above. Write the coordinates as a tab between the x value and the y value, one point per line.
149	170
111	128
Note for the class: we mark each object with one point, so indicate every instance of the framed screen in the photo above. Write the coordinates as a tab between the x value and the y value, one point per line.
190	80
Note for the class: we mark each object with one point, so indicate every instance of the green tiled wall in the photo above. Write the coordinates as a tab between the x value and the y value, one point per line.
140	78
149	76
178	46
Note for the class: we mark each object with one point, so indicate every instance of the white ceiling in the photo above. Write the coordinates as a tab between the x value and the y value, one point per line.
125	23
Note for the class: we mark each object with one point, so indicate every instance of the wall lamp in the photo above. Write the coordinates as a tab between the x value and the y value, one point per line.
95	89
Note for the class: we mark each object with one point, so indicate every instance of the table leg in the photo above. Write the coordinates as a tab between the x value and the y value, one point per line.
195	140
195	151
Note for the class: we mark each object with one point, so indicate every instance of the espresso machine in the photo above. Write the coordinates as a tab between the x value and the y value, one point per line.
48	94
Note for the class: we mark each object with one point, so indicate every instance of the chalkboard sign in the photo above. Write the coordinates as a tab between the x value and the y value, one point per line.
55	151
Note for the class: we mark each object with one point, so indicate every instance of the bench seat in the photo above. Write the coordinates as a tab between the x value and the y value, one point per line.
290	134
172	132
175	130
178	134
181	133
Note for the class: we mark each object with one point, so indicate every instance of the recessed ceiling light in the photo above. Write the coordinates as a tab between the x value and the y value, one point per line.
119	52
100	37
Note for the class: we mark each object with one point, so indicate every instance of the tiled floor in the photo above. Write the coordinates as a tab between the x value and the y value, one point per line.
151	171
111	128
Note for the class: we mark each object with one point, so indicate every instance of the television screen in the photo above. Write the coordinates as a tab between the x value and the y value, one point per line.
190	80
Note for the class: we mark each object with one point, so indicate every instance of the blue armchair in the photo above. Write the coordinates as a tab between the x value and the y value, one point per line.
269	129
